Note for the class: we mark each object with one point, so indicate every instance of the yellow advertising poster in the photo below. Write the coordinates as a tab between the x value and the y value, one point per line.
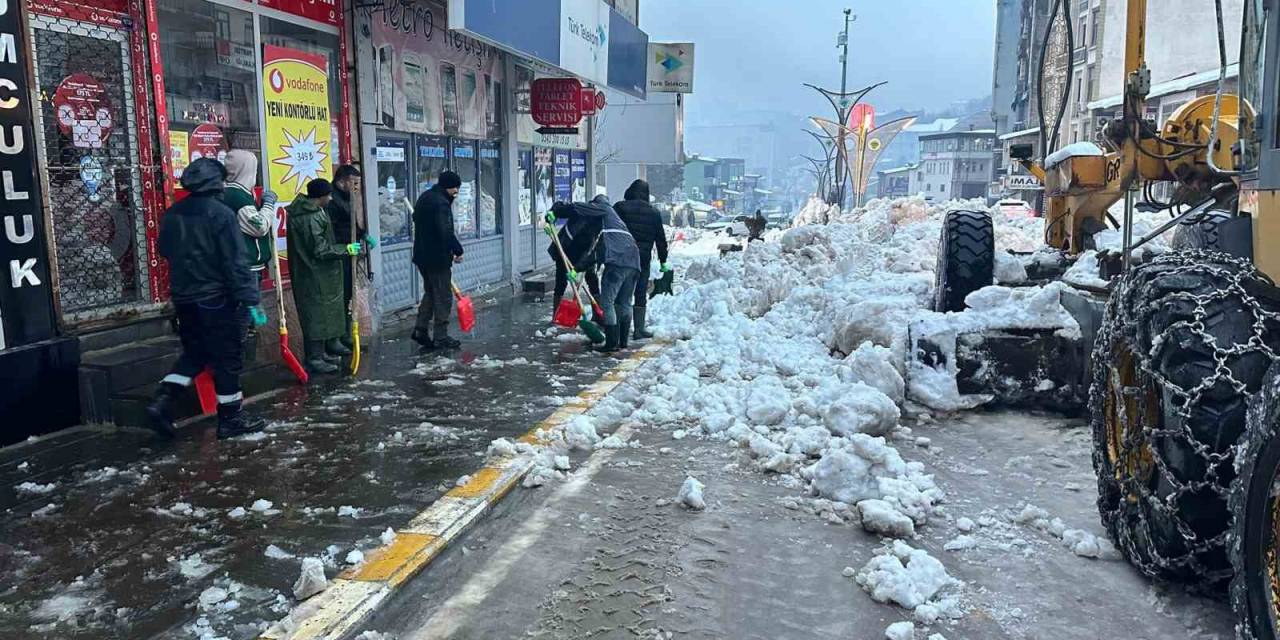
297	127
178	152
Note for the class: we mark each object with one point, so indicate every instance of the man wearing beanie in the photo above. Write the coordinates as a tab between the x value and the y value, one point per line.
315	266
214	295
435	250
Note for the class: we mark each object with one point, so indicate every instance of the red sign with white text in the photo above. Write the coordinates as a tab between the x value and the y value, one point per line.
325	11
207	141
556	102
83	112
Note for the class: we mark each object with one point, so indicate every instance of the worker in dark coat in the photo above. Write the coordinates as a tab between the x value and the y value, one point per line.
214	294
617	251
346	185
578	238
645	224
315	266
435	250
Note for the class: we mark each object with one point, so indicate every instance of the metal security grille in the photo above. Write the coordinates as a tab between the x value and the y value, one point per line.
88	131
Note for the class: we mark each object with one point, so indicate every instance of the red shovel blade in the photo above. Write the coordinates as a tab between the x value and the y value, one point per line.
291	360
466	314
568	314
205	391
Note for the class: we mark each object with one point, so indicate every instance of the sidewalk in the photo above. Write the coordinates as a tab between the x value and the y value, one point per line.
114	534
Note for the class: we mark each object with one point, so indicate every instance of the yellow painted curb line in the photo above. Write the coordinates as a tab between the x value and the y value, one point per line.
357	592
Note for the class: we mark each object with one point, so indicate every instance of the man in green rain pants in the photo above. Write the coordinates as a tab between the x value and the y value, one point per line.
315	265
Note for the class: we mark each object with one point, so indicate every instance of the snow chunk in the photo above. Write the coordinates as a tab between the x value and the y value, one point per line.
211	597
1009	269
961	543
861	409
312	579
691	494
581	433
34	488
879	517
1087	545
260	505
355	556
388	536
276	553
912	579
900	631
348	511
501	448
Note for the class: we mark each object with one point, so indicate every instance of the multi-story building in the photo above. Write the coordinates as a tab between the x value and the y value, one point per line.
895	183
955	165
707	179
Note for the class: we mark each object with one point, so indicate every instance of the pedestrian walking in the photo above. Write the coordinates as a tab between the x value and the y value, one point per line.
214	294
616	250
435	250
256	221
315	266
645	224
346	184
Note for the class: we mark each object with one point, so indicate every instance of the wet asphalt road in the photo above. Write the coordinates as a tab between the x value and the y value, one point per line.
115	554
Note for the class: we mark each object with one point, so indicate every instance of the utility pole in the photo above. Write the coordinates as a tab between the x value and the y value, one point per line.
842	42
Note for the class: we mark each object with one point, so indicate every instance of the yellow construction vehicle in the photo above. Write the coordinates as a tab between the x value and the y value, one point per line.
1182	349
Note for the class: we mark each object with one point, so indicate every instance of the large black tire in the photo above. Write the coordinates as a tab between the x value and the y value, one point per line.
1184	343
1201	231
1255	541
966	258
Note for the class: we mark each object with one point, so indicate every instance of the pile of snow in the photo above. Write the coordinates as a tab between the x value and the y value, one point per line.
913	580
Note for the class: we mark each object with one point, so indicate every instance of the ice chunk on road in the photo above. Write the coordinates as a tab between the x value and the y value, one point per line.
912	579
965	525
260	505
581	433
845	477
211	597
900	631
312	579
388	536
872	365
237	513
348	511
1087	545
961	543
879	517
276	553
861	409
35	488
355	556
691	494
501	448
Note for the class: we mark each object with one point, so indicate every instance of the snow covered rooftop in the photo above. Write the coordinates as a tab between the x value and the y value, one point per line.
1177	85
937	126
1018	134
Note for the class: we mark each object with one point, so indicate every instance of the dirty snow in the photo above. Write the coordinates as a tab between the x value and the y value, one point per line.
691	494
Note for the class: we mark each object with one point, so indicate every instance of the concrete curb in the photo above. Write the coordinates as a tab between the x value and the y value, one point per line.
357	592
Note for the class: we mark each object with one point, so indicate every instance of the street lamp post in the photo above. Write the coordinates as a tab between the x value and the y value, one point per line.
843	42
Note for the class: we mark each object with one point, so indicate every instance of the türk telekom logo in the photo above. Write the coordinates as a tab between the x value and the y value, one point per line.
276	78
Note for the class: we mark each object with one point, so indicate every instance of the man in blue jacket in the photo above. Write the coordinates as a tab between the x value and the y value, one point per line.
215	296
617	251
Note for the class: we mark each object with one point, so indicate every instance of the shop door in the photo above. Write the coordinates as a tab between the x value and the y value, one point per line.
400	287
89	131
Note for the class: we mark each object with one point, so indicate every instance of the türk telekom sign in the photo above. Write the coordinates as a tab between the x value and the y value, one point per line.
26	302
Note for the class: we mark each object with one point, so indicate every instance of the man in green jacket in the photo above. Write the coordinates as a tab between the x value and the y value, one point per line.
315	266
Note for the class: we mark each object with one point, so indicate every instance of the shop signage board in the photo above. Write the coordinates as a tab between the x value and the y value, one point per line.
671	67
325	11
557	102
587	38
428	79
1022	183
26	300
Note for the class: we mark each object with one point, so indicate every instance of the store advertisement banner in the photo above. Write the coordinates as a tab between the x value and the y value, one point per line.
578	173
325	11
563	176
671	67
429	80
543	180
584	39
297	127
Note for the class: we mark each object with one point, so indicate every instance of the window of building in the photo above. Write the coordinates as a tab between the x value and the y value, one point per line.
490	203
433	159
211	81
464	206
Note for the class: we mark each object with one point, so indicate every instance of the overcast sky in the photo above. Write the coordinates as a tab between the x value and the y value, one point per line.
755	54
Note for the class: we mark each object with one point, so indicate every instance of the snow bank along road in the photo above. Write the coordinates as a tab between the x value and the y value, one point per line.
780	471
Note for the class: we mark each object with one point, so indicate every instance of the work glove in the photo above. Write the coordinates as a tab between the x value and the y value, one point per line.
550	217
665	268
269	198
258	316
354	248
573	276
371	243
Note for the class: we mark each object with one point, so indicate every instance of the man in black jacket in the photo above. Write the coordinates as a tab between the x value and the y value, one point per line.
215	295
435	250
346	184
645	224
617	251
578	237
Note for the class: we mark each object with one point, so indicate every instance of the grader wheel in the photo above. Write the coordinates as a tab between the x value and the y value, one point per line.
1255	508
1185	342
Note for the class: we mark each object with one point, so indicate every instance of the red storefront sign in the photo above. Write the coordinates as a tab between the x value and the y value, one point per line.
556	102
592	101
207	141
325	11
84	114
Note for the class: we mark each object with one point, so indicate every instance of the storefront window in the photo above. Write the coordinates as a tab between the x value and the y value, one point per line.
210	77
464	207
394	208
490	189
526	187
433	159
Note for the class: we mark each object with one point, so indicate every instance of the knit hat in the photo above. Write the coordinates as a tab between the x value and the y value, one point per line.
449	180
319	188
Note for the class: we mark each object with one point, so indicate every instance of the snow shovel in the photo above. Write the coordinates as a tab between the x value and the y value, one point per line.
466	310
290	360
357	203
593	332
206	393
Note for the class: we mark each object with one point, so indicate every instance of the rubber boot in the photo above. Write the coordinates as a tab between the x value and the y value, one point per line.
624	332
335	347
233	422
316	362
423	339
160	411
442	339
610	339
639	332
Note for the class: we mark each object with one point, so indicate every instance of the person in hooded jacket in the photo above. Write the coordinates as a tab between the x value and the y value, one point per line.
617	251
578	237
256	222
214	294
435	250
315	265
645	223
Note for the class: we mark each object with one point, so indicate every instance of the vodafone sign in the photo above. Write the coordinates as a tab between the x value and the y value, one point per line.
556	102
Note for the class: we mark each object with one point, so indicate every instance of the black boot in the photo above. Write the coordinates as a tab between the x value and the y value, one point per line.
443	341
347	342
423	339
160	411
624	332
335	347
233	422
316	362
610	339
639	332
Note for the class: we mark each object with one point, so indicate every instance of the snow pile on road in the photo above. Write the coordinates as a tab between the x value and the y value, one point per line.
912	579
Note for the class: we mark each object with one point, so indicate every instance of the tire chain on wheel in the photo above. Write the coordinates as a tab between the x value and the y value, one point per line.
1263	423
1145	298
